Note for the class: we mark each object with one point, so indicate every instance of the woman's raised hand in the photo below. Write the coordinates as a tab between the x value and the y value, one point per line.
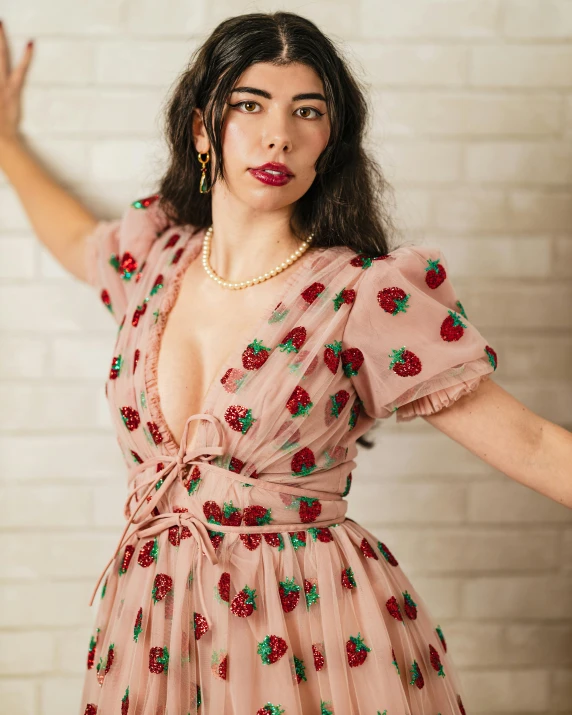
11	83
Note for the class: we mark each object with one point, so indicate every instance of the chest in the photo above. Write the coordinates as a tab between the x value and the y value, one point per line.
206	327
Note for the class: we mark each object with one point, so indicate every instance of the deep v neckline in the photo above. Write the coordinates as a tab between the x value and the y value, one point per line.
192	250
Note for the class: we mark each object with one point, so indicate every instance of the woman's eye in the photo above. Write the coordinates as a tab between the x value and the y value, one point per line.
248	101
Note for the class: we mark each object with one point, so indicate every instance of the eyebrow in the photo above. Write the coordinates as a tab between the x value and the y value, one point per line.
263	93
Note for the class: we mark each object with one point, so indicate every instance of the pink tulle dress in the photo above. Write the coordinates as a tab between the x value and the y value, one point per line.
239	587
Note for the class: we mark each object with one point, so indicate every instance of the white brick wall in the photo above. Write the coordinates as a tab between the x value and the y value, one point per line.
472	103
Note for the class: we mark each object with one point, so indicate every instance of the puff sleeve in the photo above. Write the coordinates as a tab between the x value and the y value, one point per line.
116	252
409	345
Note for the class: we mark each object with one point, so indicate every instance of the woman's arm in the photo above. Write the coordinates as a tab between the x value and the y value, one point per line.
59	221
503	432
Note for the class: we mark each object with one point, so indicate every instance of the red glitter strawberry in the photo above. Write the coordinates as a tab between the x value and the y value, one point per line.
348	579
356	650
436	661
176	256
139	311
289	592
161	586
299	402
127	554
92	650
311	591
256	515
298	361
452	328
155	432
275	539
345	297
367	550
200	625
322	534
270	709
146	202
138	628
193	481
216	537
90	709
312	292
293	340
393	300
492	356
417	678
106	300
303	462
332	354
239	418
352	360
104	665
244	603
355	413
435	273
231	515
460	704
297	538
255	355
362	260
298	669
158	659
309	510
115	369
125	266
337	403
410	606
136	356
158	284
271	649
387	555
130	417
394	661
223	587
125	703
219	664
393	608
404	363
148	553
318	653
441	638
172	241
232	379
251	541
212	512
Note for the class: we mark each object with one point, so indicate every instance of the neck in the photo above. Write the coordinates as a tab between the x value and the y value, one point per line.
247	243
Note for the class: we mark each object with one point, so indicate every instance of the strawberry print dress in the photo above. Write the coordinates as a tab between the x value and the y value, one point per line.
239	587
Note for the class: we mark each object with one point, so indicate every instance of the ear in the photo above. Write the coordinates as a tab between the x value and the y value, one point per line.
200	137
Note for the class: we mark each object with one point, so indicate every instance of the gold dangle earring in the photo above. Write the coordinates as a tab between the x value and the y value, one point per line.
203	185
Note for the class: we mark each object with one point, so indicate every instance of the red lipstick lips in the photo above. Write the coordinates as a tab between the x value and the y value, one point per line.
272	173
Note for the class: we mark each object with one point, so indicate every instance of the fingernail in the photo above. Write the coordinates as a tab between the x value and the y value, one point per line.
30	43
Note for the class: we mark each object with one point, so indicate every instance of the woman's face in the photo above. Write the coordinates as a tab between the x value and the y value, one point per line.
267	124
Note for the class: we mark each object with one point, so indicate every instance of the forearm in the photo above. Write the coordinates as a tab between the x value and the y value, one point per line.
58	219
551	465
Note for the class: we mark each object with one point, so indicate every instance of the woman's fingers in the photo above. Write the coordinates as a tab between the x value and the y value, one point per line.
4	55
7	75
19	74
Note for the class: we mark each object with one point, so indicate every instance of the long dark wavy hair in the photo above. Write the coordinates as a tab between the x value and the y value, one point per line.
345	205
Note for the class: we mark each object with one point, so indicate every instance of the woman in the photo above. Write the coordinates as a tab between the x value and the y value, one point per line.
239	586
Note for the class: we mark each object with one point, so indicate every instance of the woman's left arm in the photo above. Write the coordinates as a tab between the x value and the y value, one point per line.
503	432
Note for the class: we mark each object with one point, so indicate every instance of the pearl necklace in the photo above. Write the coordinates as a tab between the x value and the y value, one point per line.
252	281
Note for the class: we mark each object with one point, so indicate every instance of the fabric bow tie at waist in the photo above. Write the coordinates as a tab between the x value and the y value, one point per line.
148	525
